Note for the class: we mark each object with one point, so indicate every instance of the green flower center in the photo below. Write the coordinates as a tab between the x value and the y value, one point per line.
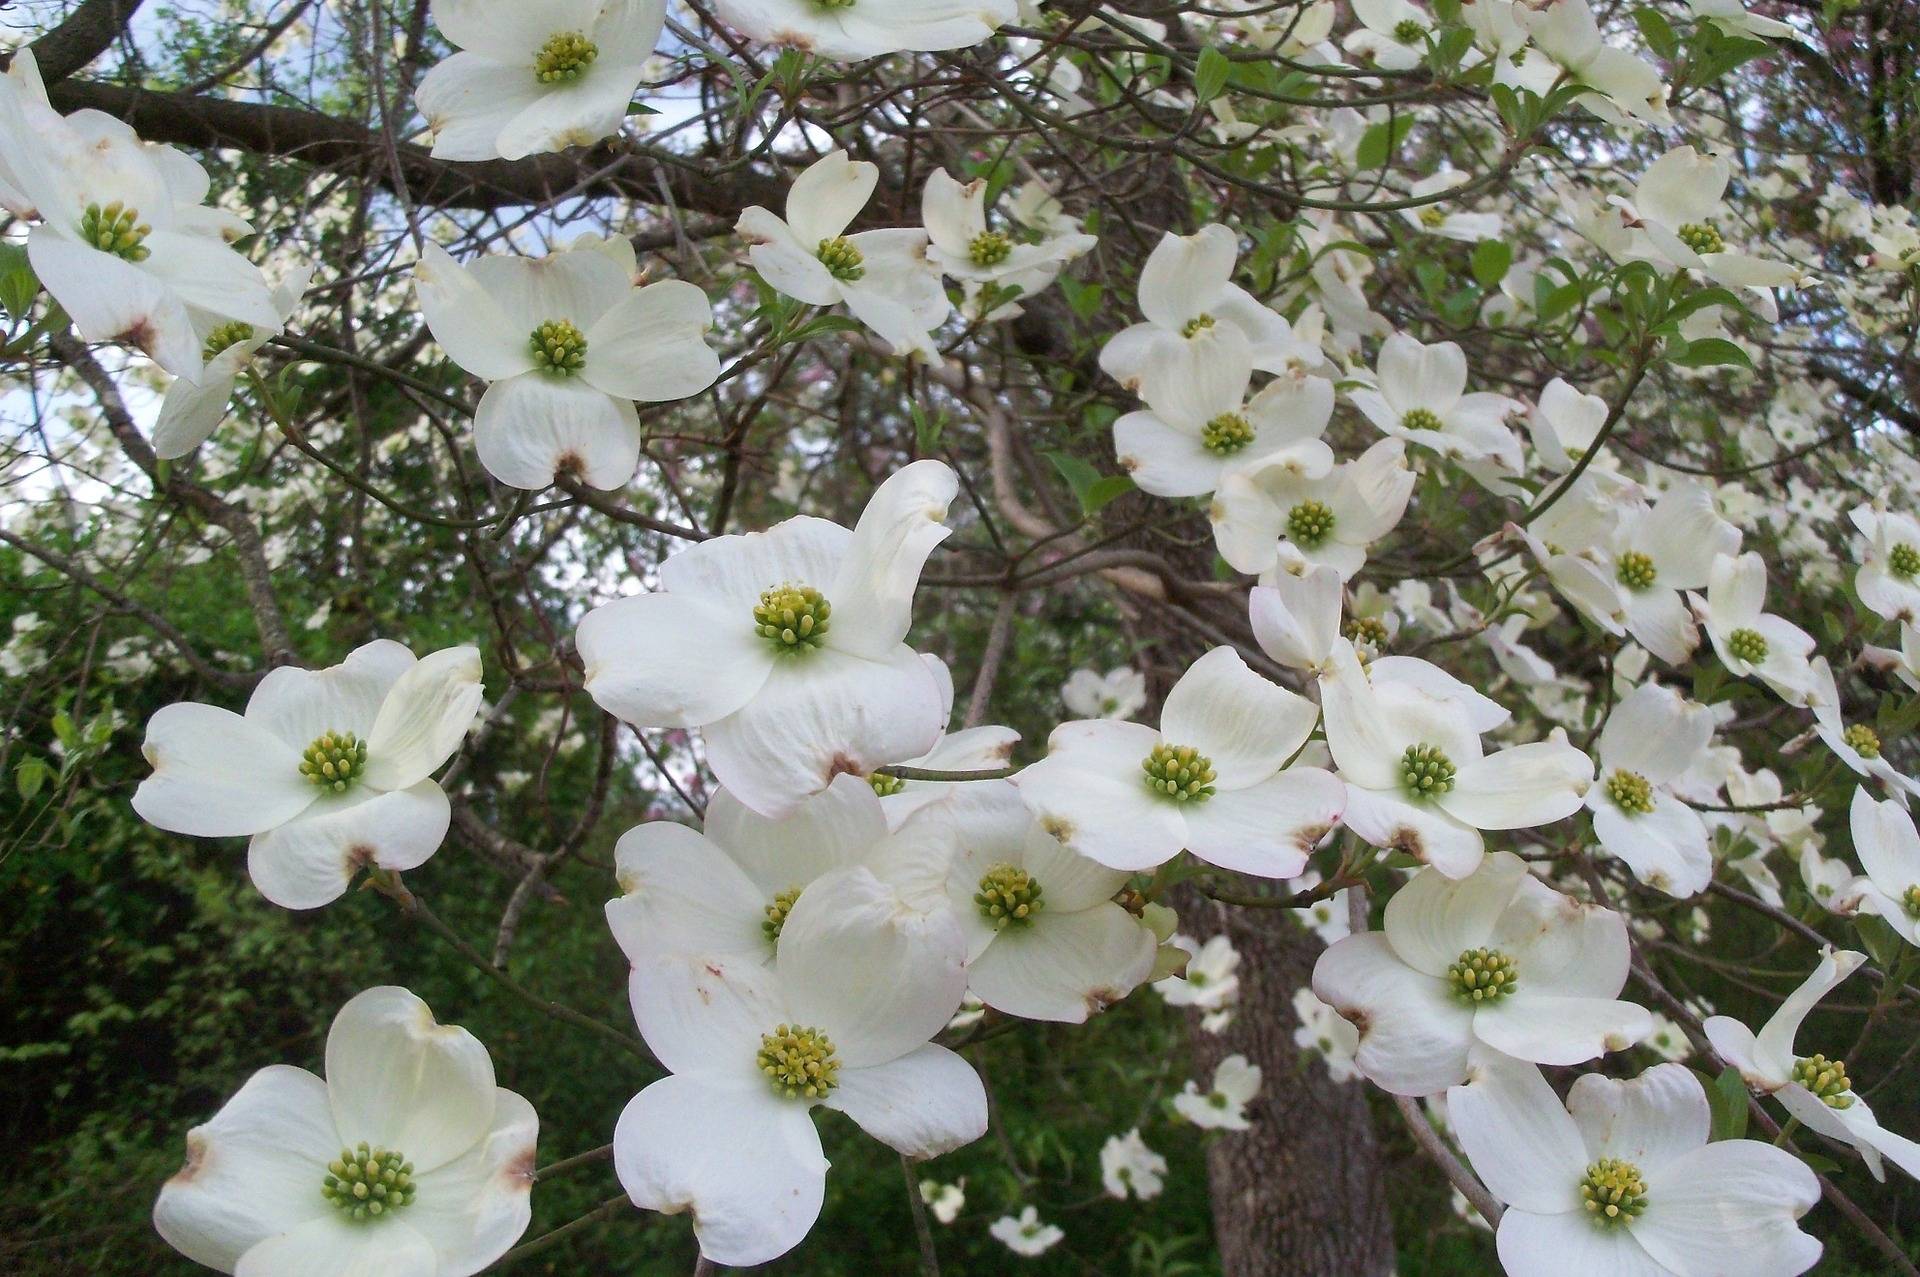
843	261
366	1183
990	248
1903	561
1630	792
1748	645
1826	1079
559	347
565	56
225	337
1179	772
1425	771
1008	896
1482	975
798	1061
1421	419
1635	570
334	761
834	4
884	785
1226	434
1431	218
792	617
1702	238
116	229
1309	524
1198	324
1863	740
1910	900
1407	31
777	913
1367	631
1613	1192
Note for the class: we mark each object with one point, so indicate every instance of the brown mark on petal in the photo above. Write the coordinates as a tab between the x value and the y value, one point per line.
519	1172
570	465
1099	1000
1129	464
844	766
1002	751
1358	1017
1060	827
360	856
197	1150
1407	839
1307	839
139	334
793	40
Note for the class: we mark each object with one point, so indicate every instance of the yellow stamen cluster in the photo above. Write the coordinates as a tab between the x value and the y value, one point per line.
1826	1079
1482	975
117	229
1432	218
225	337
1367	631
884	785
1226	434
1903	561
1613	1192
1863	740
843	261
1702	238
1407	31
798	1061
1008	897
559	347
1630	792
1635	570
565	56
1910	900
1421	419
334	760
1426	771
793	617
1197	325
777	912
366	1183
1309	524
1179	772
1748	645
989	248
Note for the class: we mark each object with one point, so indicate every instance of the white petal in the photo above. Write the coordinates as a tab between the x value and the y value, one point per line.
1656	732
783	261
424	718
335	1246
1522	1143
1416	376
309	861
1359	734
1065	966
666	660
1666	848
1073	882
1109	816
1297	618
299	706
1681	186
1563	945
1245	725
746	1163
1185	274
649	346
1413	1034
575	114
872	596
927	1102
467	321
1163	460
1885	839
1773	1048
844	928
706	1015
1521	787
1433	919
1683	534
1730	1207
253	1171
215	774
1659	621
190	412
1268	829
1650	1120
476	1206
530	428
953	213
1548	1029
468	99
1212	379
684	896
835	829
112	300
1423	831
828	195
731	572
399	1079
1568	1245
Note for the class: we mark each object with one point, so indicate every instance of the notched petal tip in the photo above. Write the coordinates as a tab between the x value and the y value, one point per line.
196	1163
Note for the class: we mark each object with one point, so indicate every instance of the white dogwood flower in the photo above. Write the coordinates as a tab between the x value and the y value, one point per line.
849	30
1888	581
1731	16
1332	520
1658	551
328	771
971	749
192	410
1498	958
1323	1032
1026	1236
1432	219
1566	421
1129	1167
1392	34
946	1201
1813	1088
1752	643
1211	981
1855	744
1677	219
1625	86
1119	693
1223	1107
405	1161
1889	849
1045	939
1213	779
842	1018
1420	395
1417	780
1623	1181
566	343
965	248
786	647
1651	739
526	78
1296	618
885	277
1186	292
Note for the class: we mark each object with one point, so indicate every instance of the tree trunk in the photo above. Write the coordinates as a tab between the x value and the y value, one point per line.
1302	1194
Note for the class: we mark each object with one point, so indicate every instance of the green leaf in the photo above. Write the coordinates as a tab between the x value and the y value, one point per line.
18	284
640	108
30	775
1559	301
1657	32
1093	490
1210	73
1491	258
1102	493
1709	352
1879	939
1727	1102
1379	142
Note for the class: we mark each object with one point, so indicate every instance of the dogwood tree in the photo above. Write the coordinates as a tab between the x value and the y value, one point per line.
1389	523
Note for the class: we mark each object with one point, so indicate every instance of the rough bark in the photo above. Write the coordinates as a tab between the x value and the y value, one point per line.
1302	1194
